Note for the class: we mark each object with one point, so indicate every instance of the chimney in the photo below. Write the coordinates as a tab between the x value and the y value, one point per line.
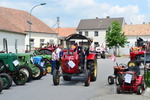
96	17
107	16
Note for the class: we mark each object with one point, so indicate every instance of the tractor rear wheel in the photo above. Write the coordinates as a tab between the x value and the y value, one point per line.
28	72
48	68
93	68
7	80
118	79
20	78
87	78
56	77
110	80
39	74
1	85
132	63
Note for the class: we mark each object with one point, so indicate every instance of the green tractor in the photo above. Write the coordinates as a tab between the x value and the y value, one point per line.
10	69
10	65
33	71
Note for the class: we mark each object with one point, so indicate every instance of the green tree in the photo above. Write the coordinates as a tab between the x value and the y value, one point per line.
115	38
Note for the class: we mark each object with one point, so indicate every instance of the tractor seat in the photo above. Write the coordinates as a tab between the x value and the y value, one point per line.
135	69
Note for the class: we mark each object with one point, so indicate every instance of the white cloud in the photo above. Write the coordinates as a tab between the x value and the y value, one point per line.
73	10
92	9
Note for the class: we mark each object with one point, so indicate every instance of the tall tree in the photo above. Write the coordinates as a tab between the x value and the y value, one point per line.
115	38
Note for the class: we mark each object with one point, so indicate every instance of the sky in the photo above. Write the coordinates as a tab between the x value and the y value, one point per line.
70	12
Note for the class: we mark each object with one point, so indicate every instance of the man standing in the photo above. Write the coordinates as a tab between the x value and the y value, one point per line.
58	50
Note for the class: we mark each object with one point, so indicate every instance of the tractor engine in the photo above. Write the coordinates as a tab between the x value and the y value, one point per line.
70	62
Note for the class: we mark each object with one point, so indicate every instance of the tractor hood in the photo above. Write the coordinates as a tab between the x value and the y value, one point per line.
6	55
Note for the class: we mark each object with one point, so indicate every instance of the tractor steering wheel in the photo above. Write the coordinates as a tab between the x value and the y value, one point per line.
123	65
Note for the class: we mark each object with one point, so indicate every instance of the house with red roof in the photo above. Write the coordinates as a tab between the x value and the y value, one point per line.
15	28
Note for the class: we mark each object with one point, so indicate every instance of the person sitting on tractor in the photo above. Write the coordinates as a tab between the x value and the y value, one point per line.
81	53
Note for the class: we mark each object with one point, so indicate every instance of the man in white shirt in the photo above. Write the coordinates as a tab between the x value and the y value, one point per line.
58	50
54	57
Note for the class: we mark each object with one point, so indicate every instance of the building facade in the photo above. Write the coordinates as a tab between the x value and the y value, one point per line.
96	29
15	26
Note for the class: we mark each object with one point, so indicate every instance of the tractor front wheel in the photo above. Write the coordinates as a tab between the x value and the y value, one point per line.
39	74
56	77
28	72
110	80
118	89
7	80
20	78
87	78
139	90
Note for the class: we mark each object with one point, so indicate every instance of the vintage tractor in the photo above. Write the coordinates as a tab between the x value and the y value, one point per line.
137	53
40	61
118	71
10	65
79	62
132	81
46	60
33	71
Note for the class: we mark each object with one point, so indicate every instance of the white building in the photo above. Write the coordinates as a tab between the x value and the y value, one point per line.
14	27
96	29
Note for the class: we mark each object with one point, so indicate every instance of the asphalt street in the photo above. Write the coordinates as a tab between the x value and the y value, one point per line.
44	89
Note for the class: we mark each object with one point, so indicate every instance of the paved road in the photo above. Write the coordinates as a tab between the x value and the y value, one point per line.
74	90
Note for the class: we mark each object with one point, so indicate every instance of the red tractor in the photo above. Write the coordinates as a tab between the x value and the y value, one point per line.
118	71
137	53
77	63
131	82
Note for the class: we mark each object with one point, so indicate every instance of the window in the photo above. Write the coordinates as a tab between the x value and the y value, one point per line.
51	41
80	32
41	41
96	33
96	44
32	43
86	33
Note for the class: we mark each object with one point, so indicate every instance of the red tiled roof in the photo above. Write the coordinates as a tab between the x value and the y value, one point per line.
141	29
16	20
65	31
